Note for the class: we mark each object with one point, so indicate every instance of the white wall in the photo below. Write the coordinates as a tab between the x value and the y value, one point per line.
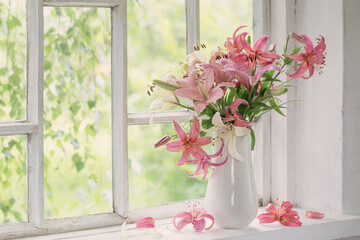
315	151
351	113
319	114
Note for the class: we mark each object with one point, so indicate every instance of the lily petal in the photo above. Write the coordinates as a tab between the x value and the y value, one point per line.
314	215
186	219
180	132
299	72
199	224
184	157
195	130
147	222
206	215
268	217
260	43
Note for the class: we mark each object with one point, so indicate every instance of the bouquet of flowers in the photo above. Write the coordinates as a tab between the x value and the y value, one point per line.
229	90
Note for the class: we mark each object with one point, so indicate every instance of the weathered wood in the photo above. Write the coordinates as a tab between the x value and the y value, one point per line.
61	225
17	128
159	117
35	155
192	24
119	108
81	3
262	156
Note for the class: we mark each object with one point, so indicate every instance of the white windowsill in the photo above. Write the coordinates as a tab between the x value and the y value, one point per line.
333	226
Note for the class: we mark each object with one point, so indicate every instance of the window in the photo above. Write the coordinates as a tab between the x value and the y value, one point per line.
73	138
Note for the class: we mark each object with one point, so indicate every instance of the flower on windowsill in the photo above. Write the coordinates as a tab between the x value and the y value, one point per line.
147	222
196	216
314	215
284	214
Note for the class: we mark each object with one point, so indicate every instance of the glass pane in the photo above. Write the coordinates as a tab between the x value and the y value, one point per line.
77	114
12	60
219	21
13	180
154	178
157	42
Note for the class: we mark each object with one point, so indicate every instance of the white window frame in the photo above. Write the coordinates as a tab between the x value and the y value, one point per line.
121	119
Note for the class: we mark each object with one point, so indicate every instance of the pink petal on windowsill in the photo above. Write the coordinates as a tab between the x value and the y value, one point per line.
147	222
314	215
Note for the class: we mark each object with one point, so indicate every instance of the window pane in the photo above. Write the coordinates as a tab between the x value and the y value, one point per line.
154	178
12	60
218	21
77	115
13	179
156	36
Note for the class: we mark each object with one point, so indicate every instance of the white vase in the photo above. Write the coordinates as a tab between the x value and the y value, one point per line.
231	195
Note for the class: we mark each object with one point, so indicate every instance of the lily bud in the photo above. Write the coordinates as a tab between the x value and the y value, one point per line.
164	140
278	91
272	47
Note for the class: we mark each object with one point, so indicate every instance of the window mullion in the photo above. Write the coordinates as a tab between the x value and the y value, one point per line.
119	109
192	24
35	155
159	117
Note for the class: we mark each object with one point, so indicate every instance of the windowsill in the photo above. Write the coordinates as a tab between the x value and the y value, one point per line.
333	226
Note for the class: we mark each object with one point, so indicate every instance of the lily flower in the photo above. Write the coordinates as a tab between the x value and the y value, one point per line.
147	222
189	144
204	163
233	44
311	59
237	117
195	216
256	54
284	214
314	215
201	89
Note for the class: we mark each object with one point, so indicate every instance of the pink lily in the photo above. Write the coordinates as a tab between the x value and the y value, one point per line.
237	117
233	44
195	216
202	89
165	139
311	59
189	144
147	222
242	71
256	54
284	214
314	215
204	163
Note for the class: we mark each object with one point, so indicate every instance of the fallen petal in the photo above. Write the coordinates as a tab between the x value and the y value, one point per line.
147	222
314	215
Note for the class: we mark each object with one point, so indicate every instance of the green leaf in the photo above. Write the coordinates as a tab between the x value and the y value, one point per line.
89	129
276	107
77	160
75	107
165	85
91	103
252	134
13	22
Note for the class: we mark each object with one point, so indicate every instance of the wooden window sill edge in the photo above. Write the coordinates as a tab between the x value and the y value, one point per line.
333	226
